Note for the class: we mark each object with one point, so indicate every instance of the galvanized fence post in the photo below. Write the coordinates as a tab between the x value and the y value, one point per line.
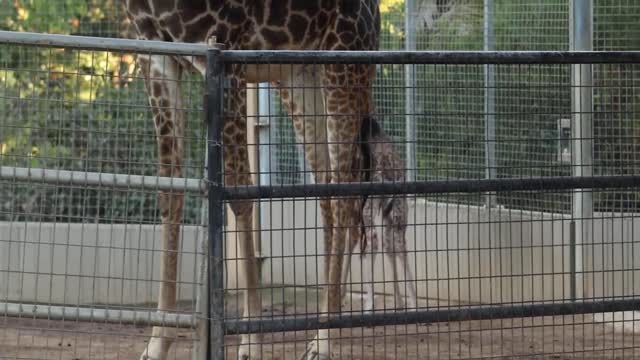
213	114
410	89
581	39
490	103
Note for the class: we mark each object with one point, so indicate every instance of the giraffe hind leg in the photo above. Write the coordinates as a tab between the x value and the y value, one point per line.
347	96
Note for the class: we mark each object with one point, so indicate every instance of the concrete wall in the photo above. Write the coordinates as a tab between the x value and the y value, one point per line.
459	253
470	254
89	263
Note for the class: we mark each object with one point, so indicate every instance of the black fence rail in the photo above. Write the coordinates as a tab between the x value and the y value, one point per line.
579	180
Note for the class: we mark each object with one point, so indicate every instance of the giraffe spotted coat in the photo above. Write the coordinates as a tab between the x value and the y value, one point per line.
325	105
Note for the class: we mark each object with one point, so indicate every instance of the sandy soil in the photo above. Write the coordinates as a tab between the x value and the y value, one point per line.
568	337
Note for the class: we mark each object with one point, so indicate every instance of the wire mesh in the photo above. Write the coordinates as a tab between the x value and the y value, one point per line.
463	257
89	250
82	110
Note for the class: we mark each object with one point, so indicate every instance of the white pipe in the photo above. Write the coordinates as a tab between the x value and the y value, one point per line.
102	43
581	39
107	180
113	316
410	88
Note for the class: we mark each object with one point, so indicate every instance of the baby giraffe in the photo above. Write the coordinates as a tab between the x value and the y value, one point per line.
381	163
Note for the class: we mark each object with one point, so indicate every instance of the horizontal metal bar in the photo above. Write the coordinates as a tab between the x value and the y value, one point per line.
432	187
113	316
110	180
102	43
320	57
429	57
299	323
124	181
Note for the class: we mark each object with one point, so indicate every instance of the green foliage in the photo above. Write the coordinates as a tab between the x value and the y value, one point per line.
80	110
88	17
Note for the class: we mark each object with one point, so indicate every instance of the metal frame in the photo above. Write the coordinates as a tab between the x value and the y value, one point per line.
213	116
274	57
323	57
151	317
99	179
218	193
453	313
432	187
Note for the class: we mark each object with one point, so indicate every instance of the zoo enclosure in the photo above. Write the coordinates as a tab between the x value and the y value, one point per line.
132	181
617	121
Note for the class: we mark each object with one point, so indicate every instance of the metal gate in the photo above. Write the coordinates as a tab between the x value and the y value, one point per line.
574	283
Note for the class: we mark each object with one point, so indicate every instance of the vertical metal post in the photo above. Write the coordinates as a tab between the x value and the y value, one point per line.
264	148
489	102
213	113
264	133
581	38
410	87
202	303
253	142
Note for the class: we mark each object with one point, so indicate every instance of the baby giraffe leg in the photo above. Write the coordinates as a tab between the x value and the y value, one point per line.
399	302
368	279
412	300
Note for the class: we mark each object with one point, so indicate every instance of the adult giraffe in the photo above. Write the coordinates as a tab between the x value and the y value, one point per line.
335	95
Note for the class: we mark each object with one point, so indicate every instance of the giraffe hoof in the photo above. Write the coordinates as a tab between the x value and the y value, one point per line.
318	349
152	353
159	345
250	348
316	356
368	308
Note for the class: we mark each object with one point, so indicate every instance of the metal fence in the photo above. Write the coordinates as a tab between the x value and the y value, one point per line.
559	276
79	249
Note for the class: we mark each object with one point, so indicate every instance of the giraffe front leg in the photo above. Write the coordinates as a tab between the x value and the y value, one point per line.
369	262
345	273
162	81
301	94
398	300
237	173
412	301
319	347
354	240
369	253
250	345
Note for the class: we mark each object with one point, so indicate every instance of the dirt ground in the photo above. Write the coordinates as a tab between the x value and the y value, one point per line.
568	337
